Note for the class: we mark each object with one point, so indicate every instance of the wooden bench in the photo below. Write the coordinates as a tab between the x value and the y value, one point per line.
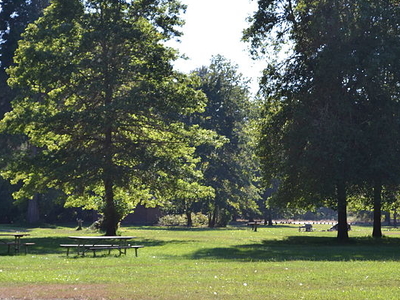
26	245
86	246
94	248
121	248
13	244
9	245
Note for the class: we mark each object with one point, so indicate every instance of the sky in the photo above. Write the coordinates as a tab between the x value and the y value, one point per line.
215	27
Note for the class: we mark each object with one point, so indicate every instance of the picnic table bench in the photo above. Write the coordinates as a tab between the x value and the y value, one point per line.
91	243
94	247
121	248
68	246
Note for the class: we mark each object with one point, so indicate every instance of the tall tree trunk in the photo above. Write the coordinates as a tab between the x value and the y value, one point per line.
377	230
33	210
111	217
269	217
395	218
213	218
388	218
343	234
189	222
33	204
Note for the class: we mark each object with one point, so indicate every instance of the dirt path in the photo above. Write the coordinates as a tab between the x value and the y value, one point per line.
55	291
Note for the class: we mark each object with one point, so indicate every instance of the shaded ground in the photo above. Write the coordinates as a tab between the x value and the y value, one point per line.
308	248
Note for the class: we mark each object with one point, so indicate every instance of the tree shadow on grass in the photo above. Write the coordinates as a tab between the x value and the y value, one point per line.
182	228
309	249
242	226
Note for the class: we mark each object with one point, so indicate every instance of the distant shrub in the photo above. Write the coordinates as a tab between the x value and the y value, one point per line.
172	220
198	219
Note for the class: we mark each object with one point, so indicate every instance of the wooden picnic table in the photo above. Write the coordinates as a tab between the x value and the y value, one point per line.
17	241
94	243
254	225
306	227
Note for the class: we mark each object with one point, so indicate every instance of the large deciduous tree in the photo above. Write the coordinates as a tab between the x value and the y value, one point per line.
331	119
97	95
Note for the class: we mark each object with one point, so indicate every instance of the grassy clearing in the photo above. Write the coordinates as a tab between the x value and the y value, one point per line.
229	263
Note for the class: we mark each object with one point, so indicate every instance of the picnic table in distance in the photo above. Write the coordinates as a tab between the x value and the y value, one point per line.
96	243
254	225
306	227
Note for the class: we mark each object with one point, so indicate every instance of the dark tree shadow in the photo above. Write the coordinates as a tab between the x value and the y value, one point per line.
179	228
308	248
242	226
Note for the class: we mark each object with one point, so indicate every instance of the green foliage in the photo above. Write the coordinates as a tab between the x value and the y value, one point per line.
101	106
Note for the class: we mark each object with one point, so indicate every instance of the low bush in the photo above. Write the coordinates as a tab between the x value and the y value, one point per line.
198	219
172	220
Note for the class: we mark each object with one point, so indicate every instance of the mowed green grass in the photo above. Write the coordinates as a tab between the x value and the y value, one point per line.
230	263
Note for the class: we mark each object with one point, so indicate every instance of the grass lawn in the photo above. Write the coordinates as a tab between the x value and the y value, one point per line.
231	263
